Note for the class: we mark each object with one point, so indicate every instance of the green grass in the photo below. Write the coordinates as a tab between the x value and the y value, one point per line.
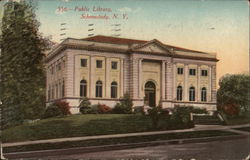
113	141
247	129
238	120
82	125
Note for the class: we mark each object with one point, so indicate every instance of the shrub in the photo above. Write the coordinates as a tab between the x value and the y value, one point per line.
85	106
63	107
197	110
124	106
52	111
94	109
154	114
139	109
231	109
104	108
57	108
181	117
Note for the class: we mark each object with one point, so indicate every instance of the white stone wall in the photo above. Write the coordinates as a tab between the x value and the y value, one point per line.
133	71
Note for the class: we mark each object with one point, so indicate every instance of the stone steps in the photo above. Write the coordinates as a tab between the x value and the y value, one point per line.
207	120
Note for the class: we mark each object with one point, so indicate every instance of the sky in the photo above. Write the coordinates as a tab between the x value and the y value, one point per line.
217	26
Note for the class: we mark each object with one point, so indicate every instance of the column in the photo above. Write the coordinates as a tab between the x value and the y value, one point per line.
163	88
210	84
169	81
121	78
91	78
198	83
140	93
106	89
69	75
174	81
213	83
186	82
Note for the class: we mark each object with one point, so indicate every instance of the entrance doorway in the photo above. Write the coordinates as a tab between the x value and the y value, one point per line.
150	94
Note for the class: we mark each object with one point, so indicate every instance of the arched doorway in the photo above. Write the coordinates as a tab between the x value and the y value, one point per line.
150	93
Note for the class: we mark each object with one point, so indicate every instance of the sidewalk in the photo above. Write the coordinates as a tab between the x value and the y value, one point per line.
71	139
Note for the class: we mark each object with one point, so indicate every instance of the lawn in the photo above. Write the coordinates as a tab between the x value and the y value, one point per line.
247	129
78	125
239	120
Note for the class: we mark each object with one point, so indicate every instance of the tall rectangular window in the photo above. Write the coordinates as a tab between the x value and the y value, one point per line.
192	72
83	62
98	63
114	65
179	70
59	66
203	72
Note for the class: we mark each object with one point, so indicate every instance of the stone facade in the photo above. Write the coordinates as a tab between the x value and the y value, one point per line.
149	71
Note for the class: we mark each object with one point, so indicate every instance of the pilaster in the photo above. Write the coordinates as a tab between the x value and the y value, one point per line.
213	83
106	93
140	95
169	81
163	76
186	82
198	84
91	78
174	81
121	78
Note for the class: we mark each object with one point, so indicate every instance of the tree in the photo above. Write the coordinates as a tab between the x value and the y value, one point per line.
22	70
233	94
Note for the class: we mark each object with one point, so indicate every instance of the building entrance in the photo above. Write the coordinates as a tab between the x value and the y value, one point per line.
150	94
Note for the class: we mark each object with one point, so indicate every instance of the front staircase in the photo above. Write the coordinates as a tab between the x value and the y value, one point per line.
207	120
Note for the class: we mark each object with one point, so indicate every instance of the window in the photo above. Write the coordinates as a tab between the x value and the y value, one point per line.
114	65
113	90
83	88
62	88
179	93
192	72
58	67
179	70
59	90
191	94
53	93
203	72
83	62
98	63
203	94
56	91
98	89
49	92
52	70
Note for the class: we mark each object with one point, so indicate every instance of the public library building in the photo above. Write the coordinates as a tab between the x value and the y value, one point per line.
104	68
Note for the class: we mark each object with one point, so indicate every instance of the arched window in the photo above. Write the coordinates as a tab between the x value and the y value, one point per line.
179	93
113	90
191	94
98	89
203	94
83	88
